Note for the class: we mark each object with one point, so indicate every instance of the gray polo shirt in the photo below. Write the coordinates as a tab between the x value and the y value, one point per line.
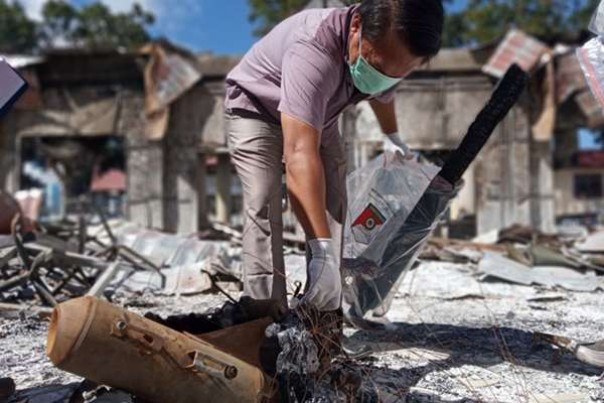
300	68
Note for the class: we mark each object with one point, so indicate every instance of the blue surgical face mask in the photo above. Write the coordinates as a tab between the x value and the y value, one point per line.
367	78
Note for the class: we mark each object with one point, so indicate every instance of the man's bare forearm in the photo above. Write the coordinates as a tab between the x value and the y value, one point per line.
306	186
385	115
305	177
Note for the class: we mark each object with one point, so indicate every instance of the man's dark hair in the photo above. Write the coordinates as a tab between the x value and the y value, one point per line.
419	23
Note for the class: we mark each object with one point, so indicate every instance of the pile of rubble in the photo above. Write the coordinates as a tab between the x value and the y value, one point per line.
73	266
188	288
521	255
74	259
190	278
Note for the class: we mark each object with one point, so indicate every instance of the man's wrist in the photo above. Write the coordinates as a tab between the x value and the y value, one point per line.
394	137
320	246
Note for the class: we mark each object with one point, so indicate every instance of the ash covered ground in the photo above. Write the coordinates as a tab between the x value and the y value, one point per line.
450	338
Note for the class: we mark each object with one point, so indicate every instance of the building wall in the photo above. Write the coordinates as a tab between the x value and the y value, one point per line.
84	111
566	201
502	175
196	129
70	111
145	167
435	114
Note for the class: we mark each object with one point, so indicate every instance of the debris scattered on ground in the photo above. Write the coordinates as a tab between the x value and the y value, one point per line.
439	345
472	322
590	353
594	243
500	267
75	260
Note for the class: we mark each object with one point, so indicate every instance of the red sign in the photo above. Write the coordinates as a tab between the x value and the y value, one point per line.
370	218
590	159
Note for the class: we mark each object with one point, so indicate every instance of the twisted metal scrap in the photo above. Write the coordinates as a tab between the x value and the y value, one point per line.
309	341
299	353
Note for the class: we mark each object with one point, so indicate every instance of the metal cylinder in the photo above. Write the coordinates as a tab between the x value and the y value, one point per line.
108	345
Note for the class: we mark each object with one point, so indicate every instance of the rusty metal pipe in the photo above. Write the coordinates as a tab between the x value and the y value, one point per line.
108	345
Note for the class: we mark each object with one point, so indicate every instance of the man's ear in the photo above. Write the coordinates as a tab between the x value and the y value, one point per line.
355	24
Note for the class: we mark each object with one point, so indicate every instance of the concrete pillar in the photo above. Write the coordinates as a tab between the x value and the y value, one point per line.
223	188
542	183
181	186
465	202
348	129
202	200
144	164
508	171
145	188
503	184
10	153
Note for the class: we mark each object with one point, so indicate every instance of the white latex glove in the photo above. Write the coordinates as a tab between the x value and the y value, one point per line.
395	143
325	283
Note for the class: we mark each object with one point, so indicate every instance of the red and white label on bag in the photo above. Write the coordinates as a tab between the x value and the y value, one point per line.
370	218
367	223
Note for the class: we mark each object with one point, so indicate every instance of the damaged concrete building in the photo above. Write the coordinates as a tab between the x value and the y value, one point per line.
174	159
80	101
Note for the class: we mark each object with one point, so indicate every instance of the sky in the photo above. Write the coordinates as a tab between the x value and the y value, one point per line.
219	26
587	140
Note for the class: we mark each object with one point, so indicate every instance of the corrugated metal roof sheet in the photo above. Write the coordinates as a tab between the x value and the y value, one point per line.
517	47
569	77
97	117
591	108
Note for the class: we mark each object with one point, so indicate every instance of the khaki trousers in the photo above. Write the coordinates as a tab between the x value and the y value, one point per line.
256	149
